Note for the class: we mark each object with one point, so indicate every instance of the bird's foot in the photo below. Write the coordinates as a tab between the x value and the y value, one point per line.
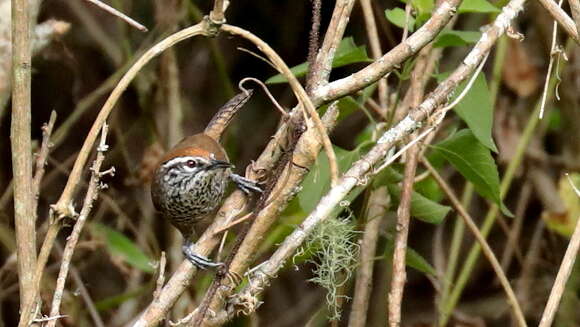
247	186
197	260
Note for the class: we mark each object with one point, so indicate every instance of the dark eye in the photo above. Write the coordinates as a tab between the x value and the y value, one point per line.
191	163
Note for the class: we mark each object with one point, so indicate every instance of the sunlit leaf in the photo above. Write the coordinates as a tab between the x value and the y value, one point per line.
450	38
398	17
422	208
477	6
474	161
476	109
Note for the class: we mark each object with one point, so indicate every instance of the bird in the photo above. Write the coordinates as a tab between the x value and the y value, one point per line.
190	180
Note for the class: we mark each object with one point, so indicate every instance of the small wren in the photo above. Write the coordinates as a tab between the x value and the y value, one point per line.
190	180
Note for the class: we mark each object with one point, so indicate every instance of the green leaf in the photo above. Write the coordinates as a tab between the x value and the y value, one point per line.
119	245
429	188
474	161
477	6
475	109
412	258
116	300
450	38
423	6
347	53
397	16
421	207
346	106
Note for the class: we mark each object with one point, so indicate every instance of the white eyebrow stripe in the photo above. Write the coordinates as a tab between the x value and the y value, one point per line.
177	160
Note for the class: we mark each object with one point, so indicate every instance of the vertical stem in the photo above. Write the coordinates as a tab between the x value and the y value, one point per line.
454	249
21	153
403	219
376	51
377	207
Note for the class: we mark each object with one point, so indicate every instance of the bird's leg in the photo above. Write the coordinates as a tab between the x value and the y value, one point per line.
197	260
246	185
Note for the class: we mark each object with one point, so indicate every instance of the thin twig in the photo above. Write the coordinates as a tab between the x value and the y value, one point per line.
91	195
119	14
76	277
551	63
268	94
487	251
41	160
563	273
376	51
516	226
408	7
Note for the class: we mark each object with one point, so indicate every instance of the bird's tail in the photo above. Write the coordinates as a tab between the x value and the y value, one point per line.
222	118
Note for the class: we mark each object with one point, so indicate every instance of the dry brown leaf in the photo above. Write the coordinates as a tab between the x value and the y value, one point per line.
519	74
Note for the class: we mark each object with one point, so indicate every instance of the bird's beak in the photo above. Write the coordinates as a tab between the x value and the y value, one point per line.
217	164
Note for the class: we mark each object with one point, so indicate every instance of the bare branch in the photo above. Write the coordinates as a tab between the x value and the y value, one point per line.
390	61
562	18
119	14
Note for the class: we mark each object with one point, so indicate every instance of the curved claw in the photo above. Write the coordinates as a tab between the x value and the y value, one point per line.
197	260
246	185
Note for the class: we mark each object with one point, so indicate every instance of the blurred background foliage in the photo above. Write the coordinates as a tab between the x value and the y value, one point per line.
177	94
